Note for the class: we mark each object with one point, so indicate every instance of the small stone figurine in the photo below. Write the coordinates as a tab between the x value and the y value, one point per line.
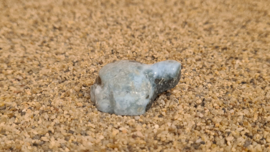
129	87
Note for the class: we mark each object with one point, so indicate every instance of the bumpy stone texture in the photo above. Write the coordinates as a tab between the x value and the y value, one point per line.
129	87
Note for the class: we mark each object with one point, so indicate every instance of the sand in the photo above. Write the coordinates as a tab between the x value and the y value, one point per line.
51	52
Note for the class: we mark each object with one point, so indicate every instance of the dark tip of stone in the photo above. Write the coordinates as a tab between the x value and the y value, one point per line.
157	81
98	80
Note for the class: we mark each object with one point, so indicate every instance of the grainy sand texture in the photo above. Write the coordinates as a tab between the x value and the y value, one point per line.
51	52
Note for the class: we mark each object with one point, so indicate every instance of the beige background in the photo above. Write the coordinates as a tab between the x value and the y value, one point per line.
51	52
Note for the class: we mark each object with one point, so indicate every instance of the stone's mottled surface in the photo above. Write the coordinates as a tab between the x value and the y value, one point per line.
129	87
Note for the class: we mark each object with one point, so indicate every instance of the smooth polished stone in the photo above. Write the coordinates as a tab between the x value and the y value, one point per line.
129	87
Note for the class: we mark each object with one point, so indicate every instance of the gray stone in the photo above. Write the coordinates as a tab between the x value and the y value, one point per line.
129	87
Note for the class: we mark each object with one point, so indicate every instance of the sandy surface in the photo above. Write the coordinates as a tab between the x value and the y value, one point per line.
50	53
